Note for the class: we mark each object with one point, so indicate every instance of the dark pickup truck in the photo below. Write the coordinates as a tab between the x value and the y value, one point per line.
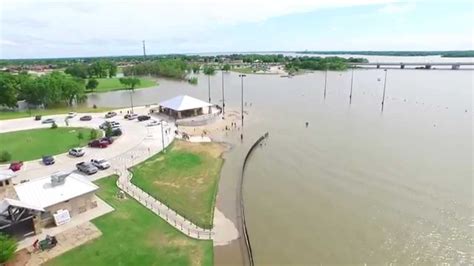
87	168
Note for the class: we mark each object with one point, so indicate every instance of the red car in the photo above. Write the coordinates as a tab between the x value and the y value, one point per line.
99	143
15	166
109	140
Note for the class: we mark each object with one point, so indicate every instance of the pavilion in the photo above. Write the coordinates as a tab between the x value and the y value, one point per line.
184	106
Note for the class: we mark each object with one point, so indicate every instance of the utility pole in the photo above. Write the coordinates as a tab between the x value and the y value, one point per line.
325	82
242	103
223	98
144	51
384	87
352	83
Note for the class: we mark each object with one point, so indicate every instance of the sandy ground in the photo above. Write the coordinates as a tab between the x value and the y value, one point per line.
230	122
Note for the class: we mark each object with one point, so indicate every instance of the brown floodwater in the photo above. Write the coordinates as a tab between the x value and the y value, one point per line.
357	185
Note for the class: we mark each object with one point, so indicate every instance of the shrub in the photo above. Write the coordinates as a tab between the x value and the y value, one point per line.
94	106
193	80
54	126
93	134
108	131
5	156
8	247
80	136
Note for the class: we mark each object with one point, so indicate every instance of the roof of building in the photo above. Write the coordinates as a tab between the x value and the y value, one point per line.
41	192
6	202
6	174
184	102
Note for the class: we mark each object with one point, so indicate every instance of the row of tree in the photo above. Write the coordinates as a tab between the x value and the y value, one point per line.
49	89
171	68
320	63
97	69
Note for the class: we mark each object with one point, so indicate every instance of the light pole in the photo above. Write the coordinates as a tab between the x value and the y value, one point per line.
384	87
242	102
352	83
223	98
209	87
325	82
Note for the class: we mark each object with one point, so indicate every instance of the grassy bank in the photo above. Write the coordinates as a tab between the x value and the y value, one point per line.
185	178
113	84
31	144
133	235
4	115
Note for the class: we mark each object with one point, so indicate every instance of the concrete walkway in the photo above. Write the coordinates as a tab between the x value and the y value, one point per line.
150	146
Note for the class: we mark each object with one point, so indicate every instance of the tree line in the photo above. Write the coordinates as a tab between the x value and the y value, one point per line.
97	69
49	89
170	68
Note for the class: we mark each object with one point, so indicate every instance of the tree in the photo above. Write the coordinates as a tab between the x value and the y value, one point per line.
108	131
8	247
78	70
112	69
92	84
196	68
80	136
226	67
8	90
5	156
130	82
93	134
209	71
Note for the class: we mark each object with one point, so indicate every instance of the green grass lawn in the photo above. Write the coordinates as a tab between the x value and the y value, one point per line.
51	111
133	235
113	84
31	144
185	178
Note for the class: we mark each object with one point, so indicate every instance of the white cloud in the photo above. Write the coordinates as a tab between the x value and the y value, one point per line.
398	8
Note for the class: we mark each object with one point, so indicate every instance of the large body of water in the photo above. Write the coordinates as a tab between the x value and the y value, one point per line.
357	185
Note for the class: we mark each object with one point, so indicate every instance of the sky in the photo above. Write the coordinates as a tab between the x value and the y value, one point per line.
48	29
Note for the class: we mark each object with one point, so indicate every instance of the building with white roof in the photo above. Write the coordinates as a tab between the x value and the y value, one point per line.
183	106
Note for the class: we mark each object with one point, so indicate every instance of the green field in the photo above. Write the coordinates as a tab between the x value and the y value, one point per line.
133	235
4	115
31	144
185	178
113	84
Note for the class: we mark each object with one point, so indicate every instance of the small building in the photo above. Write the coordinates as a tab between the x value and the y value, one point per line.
61	196
184	106
17	218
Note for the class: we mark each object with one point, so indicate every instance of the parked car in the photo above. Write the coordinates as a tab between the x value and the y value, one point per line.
132	116
115	132
112	124
77	152
143	117
37	117
110	114
71	114
100	163
98	143
16	166
86	118
48	160
153	123
48	121
109	140
87	168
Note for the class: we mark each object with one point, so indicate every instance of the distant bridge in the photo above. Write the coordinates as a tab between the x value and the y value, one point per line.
426	65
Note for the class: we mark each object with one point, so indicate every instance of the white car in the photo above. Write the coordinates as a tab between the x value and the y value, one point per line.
102	164
132	116
77	152
153	123
71	114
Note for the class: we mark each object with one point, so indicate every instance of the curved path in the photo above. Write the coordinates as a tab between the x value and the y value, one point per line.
137	144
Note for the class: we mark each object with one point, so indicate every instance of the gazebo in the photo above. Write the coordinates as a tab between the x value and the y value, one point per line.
184	106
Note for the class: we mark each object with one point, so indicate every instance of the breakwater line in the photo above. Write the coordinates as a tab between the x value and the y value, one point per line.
245	242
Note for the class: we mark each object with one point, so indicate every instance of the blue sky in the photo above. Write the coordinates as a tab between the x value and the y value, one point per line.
32	29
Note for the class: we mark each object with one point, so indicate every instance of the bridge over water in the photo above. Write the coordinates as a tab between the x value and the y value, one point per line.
426	65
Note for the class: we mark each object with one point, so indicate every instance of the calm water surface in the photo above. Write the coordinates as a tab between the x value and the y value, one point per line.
357	185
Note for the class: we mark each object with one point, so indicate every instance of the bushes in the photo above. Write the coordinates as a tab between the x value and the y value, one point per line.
7	248
5	156
93	134
54	125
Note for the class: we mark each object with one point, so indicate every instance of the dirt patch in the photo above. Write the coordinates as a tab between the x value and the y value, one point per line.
213	149
168	184
20	259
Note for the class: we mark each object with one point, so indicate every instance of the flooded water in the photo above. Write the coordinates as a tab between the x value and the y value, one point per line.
356	185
